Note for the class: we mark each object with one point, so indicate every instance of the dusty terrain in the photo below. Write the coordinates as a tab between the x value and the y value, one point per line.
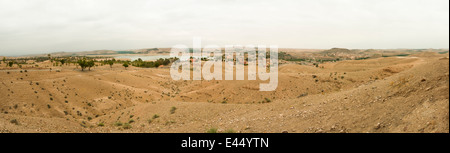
386	94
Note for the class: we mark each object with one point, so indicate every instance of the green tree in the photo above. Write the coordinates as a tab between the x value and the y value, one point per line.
10	63
90	64
50	58
125	65
4	59
62	61
111	63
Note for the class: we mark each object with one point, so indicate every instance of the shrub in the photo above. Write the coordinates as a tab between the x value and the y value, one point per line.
127	126
101	124
268	100
212	130
230	131
14	121
155	116
131	121
118	123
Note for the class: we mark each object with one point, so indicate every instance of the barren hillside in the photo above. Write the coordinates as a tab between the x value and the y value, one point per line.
390	94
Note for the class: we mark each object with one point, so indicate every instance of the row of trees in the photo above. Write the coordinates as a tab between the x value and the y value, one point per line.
89	62
140	63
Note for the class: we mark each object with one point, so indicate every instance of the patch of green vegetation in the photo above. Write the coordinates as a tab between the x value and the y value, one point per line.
211	130
155	116
362	58
151	64
230	131
402	55
118	123
14	121
296	59
125	52
170	122
127	126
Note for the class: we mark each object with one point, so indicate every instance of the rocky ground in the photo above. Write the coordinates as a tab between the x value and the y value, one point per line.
392	94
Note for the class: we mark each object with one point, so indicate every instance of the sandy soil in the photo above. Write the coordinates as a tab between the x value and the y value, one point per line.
393	94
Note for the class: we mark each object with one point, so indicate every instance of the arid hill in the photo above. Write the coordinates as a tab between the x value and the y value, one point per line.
386	94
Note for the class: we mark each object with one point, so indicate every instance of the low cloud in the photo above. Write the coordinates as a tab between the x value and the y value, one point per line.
41	26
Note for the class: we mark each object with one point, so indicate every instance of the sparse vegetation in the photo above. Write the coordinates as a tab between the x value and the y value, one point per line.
110	62
305	94
172	110
230	131
118	123
14	121
170	122
155	116
127	126
125	65
211	130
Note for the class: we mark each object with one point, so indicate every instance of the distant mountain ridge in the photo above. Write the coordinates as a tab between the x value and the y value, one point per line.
108	52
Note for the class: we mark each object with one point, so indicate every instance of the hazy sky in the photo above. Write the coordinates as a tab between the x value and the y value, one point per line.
43	26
